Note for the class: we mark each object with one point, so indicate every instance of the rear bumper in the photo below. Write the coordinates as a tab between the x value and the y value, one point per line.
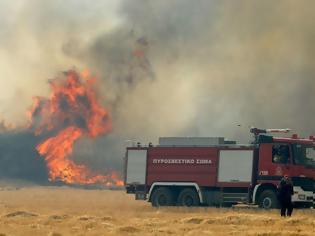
134	188
138	190
130	189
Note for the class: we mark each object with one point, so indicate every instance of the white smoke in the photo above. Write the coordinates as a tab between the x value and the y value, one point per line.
216	64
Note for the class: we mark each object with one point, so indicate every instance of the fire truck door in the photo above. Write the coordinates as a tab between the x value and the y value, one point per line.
281	159
275	160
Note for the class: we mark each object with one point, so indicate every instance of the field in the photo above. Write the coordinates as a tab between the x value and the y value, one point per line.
59	211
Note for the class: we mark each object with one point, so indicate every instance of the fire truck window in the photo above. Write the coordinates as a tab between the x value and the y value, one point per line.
304	155
280	154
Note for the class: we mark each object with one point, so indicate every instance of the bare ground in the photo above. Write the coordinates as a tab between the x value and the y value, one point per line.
57	211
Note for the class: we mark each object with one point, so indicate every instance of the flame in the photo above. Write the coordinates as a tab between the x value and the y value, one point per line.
71	112
85	74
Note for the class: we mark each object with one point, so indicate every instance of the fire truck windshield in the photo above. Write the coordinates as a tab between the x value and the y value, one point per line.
304	155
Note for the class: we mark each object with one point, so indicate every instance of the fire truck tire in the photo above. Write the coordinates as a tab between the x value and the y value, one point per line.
188	197
268	199
162	196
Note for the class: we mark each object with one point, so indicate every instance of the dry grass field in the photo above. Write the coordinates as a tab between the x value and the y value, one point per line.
59	211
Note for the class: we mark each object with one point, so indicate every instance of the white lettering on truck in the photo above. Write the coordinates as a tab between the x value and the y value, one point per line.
182	161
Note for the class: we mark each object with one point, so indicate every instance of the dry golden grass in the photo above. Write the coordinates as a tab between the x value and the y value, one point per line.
57	211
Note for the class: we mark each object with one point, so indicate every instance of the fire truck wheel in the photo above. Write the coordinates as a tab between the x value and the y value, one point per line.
188	197
268	199
162	196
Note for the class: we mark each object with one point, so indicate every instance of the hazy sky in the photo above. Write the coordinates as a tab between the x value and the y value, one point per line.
32	34
216	63
208	66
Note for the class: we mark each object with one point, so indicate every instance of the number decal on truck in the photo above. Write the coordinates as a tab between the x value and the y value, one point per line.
263	172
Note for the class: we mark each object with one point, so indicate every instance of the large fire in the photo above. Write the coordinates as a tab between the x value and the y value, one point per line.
71	112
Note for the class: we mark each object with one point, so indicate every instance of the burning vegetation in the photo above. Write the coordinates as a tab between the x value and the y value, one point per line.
71	112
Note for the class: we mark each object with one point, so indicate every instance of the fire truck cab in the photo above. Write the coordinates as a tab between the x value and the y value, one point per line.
212	171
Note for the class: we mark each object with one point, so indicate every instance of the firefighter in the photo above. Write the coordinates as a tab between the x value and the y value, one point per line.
285	196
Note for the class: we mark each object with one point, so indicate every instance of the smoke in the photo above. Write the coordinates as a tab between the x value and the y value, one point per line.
207	66
18	160
244	62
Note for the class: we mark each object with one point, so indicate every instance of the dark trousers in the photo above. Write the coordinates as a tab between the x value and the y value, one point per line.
286	208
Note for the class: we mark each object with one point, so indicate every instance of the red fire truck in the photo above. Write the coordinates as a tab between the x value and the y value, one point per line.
188	171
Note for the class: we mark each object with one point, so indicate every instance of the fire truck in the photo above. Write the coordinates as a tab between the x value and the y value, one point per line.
211	171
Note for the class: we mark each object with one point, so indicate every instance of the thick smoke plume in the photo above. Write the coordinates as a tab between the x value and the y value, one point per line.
166	68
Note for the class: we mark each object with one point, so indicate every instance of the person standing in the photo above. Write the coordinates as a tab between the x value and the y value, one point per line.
285	190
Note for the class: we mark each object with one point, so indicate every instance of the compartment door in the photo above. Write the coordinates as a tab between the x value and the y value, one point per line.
136	166
235	166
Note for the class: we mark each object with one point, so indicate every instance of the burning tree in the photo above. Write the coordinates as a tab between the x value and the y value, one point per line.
71	112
